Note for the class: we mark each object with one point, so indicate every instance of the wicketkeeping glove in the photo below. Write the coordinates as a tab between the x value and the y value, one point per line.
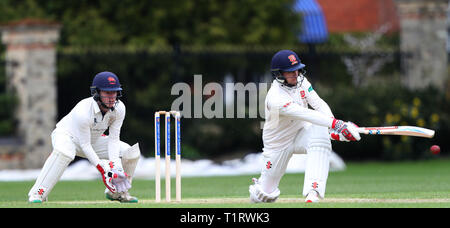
105	169
121	181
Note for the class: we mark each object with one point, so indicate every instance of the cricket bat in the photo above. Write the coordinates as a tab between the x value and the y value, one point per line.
397	130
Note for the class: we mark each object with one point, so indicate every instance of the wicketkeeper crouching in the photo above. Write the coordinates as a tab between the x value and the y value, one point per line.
81	133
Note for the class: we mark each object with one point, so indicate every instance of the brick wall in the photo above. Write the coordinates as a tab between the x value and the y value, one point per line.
359	15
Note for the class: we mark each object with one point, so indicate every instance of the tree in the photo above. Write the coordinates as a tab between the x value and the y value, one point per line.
163	23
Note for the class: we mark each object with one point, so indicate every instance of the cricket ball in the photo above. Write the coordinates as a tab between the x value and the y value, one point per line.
435	149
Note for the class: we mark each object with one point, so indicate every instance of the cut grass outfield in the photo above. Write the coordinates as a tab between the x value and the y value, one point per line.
365	184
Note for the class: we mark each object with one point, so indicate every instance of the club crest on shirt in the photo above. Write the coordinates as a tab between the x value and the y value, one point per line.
302	94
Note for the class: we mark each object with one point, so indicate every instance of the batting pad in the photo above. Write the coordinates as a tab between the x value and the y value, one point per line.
316	171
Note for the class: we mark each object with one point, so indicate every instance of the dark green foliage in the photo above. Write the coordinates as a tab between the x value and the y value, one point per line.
162	23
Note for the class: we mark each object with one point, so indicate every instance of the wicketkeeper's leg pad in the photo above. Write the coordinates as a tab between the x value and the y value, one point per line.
54	167
130	158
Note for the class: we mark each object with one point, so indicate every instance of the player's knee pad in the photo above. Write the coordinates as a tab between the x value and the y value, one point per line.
311	136
64	144
257	195
66	153
131	152
319	138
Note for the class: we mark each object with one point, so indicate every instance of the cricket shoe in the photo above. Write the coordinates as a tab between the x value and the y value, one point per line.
312	197
123	197
257	195
36	199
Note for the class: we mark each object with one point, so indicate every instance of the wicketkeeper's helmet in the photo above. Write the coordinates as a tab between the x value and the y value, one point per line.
105	81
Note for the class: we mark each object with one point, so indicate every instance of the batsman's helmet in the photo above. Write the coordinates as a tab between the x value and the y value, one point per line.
105	81
284	61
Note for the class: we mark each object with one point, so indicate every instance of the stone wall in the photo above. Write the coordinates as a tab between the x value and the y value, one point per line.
31	76
423	36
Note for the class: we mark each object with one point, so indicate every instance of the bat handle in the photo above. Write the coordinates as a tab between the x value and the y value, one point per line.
362	130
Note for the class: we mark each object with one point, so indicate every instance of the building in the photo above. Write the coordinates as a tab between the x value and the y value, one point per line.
359	15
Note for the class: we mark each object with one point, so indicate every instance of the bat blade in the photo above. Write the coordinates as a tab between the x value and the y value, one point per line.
397	130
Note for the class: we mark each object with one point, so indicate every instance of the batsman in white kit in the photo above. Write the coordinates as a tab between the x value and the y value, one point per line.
81	133
292	128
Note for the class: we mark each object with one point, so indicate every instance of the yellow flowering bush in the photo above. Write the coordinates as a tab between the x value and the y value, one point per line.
390	105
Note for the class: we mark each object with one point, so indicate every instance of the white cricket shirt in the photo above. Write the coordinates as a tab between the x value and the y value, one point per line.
86	124
286	112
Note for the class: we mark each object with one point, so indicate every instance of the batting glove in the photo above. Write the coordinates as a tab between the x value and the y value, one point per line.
344	131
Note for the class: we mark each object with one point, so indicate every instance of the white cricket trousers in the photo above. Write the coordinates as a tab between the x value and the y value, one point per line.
312	140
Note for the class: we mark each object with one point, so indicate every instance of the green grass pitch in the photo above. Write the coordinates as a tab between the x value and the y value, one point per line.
361	185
